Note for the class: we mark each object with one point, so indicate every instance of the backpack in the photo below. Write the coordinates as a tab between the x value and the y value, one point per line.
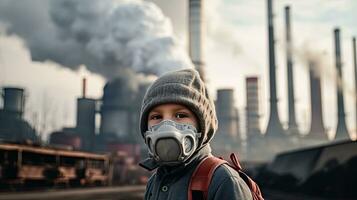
201	178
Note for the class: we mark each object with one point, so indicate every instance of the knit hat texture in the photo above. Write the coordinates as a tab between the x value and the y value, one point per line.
183	87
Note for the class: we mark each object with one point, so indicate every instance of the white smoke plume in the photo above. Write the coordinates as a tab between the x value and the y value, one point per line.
105	36
312	58
321	67
225	33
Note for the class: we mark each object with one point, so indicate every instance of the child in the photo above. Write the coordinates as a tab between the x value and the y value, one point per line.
177	121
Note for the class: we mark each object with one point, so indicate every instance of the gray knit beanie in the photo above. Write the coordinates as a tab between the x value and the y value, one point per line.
182	87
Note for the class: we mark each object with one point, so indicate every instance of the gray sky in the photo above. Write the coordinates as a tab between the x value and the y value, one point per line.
236	48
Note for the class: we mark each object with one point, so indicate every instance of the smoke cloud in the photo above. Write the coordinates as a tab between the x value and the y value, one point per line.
321	68
105	36
223	32
312	59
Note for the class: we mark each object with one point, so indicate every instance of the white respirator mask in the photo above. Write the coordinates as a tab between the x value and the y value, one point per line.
171	143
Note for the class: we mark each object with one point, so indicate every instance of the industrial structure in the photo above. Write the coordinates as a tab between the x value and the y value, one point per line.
274	129
317	130
12	125
254	136
119	113
252	109
197	35
341	130
117	130
292	125
86	110
228	134
355	70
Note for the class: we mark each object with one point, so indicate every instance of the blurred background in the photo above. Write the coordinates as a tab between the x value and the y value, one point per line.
283	75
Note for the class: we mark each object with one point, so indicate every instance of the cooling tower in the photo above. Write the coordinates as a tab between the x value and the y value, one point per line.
14	101
341	131
274	129
292	125
119	111
226	113
196	35
317	129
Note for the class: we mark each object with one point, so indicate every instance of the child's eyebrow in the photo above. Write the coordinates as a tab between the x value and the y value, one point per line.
182	109
154	111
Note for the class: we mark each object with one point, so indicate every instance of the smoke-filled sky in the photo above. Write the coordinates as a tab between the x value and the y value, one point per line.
47	46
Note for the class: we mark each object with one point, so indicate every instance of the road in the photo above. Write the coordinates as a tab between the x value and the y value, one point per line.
99	193
118	193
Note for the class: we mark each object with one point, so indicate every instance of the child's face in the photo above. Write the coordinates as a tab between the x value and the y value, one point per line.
174	112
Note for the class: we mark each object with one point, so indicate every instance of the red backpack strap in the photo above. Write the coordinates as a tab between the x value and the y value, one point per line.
201	177
235	162
253	187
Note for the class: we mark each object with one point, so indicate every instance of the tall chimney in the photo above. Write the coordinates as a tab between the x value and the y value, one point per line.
84	87
341	131
317	129
196	35
355	67
274	128
292	125
252	109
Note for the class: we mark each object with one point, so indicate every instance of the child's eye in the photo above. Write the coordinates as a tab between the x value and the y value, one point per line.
181	115
155	117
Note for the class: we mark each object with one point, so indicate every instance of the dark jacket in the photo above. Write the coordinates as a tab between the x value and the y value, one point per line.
172	182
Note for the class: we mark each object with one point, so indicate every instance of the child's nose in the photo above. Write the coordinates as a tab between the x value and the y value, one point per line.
168	117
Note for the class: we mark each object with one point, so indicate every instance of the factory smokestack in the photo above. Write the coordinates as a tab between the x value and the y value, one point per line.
196	35
292	125
341	131
317	130
84	87
355	67
252	115
274	128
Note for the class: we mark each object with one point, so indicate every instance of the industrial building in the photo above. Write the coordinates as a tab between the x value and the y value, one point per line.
118	112
13	128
